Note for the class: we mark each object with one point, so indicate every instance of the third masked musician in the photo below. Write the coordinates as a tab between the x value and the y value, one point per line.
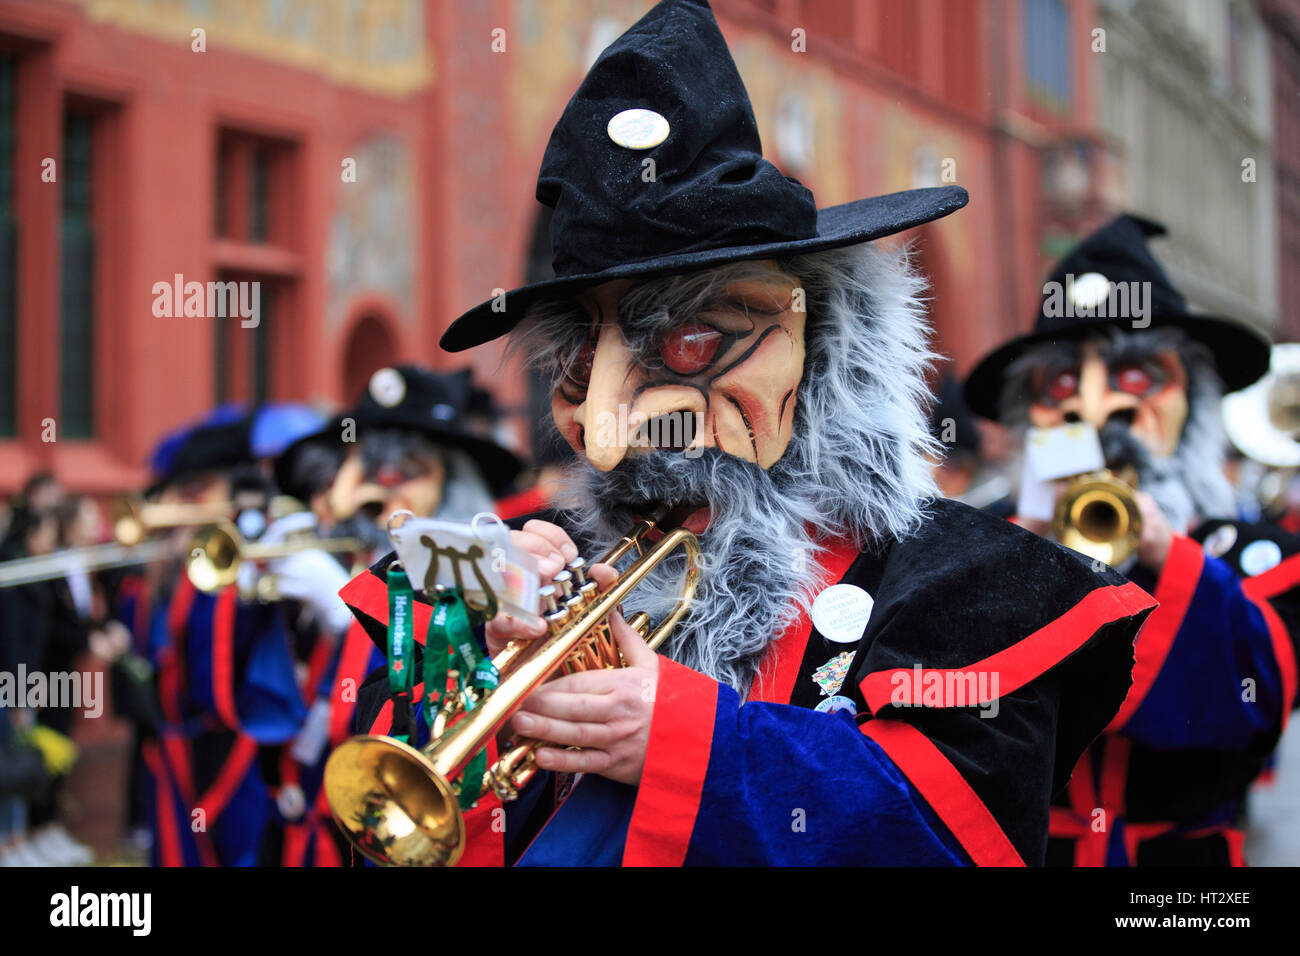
1214	677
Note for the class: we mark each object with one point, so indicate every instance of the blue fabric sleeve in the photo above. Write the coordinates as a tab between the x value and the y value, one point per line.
1219	687
789	786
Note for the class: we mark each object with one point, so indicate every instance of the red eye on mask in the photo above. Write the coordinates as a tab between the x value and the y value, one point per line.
690	348
1133	380
1065	385
579	369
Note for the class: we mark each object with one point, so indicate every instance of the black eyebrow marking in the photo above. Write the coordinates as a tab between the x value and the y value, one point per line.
780	416
748	427
749	351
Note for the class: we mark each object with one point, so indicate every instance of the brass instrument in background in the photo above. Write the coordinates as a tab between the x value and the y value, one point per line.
1263	422
99	557
135	520
397	804
1098	516
217	551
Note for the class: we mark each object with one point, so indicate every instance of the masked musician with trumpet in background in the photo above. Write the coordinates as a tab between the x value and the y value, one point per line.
741	374
399	447
1214	677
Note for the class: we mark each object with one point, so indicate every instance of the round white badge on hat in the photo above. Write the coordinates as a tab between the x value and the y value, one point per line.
1089	290
1259	556
841	612
387	387
638	129
1220	541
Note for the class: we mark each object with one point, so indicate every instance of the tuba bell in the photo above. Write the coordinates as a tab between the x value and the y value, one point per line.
1098	516
398	806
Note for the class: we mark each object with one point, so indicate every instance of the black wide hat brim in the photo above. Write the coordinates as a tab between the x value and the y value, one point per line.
1241	355
844	225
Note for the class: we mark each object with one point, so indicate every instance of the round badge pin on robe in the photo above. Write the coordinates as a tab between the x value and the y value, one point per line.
637	129
1260	556
833	705
840	613
1220	541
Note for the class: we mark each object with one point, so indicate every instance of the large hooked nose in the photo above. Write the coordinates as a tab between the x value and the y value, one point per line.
623	410
1096	402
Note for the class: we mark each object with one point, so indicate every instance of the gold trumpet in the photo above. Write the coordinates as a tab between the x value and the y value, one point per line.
397	804
136	519
218	549
1098	516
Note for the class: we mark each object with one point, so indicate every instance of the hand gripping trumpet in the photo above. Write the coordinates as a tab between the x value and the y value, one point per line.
398	805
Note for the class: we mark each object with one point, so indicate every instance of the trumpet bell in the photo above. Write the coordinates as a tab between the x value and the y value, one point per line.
397	805
400	810
213	563
1099	517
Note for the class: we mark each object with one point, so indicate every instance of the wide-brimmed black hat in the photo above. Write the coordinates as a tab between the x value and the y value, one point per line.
656	168
1071	308
435	404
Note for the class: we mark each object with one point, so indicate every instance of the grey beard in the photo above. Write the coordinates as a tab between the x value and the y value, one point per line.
758	561
1165	479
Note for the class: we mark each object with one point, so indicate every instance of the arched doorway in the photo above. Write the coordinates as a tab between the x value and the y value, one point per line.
369	348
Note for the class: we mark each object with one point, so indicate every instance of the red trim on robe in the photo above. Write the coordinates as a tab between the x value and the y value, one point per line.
1174	590
526	502
1282	577
676	761
485	845
223	657
368	593
169	840
171	668
1283	649
1022	662
946	791
236	764
780	665
353	659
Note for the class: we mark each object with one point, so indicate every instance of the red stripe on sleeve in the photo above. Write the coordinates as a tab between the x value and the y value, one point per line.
237	762
368	594
1277	579
223	657
169	841
352	667
1283	649
946	791
1017	665
676	761
1174	590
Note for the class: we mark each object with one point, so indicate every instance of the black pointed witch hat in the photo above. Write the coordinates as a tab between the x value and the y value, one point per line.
667	91
1118	253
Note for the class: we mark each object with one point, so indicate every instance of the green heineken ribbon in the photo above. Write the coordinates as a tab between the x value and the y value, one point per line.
450	645
401	651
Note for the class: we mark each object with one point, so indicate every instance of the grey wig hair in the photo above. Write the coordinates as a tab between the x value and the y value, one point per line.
1190	483
855	467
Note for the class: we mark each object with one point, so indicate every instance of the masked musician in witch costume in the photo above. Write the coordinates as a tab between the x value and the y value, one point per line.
718	343
1215	671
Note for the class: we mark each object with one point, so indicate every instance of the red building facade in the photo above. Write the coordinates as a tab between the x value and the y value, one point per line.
371	168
